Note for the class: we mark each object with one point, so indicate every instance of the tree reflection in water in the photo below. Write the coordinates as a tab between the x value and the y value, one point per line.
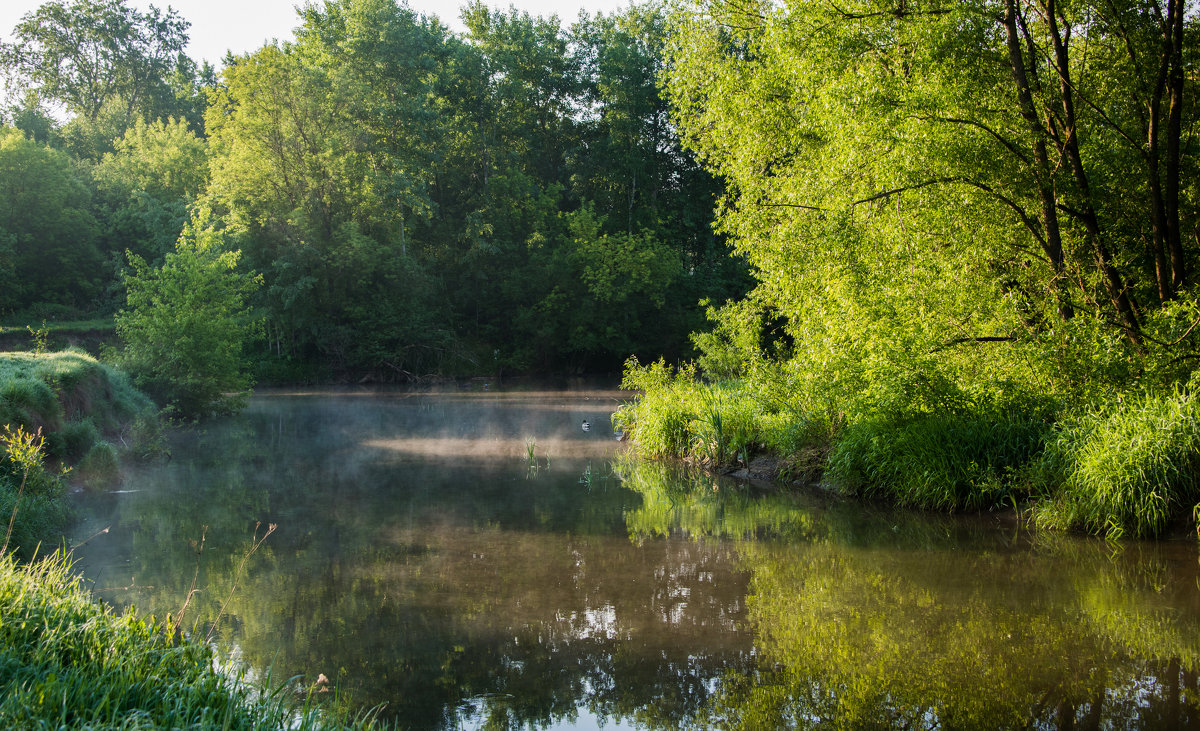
462	589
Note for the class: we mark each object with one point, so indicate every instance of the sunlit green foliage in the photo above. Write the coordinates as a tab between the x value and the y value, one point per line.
186	325
946	261
32	504
1129	467
717	423
155	172
969	460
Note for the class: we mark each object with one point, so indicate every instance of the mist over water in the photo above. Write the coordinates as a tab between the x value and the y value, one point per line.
424	563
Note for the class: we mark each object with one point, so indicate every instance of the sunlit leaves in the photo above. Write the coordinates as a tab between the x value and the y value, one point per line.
186	325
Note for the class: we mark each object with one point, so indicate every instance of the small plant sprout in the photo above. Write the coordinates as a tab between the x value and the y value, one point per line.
40	338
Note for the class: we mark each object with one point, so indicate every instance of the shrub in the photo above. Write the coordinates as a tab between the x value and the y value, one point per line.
186	323
71	442
99	466
32	504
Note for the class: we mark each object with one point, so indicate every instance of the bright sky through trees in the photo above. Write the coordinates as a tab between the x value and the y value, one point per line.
220	25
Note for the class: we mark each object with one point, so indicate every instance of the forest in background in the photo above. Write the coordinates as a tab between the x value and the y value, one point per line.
406	200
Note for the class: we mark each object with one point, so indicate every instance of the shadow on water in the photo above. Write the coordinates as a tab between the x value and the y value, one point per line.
423	561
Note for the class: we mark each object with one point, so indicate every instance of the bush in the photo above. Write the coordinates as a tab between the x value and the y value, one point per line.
72	441
99	466
716	424
32	500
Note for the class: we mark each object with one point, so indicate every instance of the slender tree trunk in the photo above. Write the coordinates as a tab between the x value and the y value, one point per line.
1052	241
1069	141
1175	78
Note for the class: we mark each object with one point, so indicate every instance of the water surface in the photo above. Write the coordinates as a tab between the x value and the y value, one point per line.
423	563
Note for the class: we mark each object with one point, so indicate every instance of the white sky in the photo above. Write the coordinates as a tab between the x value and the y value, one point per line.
245	25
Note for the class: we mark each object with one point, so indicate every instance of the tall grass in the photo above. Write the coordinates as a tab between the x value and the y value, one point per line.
1129	467
959	461
714	424
53	389
68	662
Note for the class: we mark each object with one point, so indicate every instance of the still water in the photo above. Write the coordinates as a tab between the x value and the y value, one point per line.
425	564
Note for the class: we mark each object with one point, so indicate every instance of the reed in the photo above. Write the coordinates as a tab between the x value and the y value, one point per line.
959	461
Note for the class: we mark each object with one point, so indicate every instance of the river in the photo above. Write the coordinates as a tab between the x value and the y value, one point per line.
425	564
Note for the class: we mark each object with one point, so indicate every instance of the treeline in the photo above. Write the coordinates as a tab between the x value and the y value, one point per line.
514	198
975	227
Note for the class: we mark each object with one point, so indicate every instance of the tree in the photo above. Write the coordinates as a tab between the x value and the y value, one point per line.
89	53
47	232
915	182
147	183
186	325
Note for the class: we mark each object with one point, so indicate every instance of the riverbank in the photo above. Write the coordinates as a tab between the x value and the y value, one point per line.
67	660
72	415
1125	466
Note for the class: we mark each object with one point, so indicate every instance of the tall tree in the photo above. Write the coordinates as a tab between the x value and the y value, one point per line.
47	230
90	53
920	179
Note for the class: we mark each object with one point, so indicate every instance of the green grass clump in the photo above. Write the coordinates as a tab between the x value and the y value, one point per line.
1129	467
715	424
957	461
72	441
99	466
26	400
68	662
47	389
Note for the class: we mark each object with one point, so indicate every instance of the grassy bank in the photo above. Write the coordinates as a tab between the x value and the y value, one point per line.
81	412
1125	465
68	662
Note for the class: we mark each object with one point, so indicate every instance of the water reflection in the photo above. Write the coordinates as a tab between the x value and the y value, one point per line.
462	589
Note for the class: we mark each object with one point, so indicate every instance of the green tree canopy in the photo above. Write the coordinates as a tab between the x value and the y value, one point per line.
986	189
47	231
88	53
186	323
